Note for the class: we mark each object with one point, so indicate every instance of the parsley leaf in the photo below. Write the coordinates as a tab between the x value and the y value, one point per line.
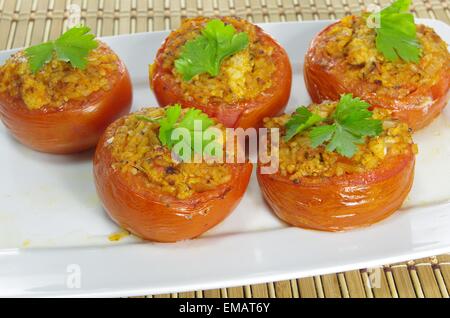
172	120
343	141
196	58
301	120
396	36
354	115
39	55
205	53
167	125
193	115
352	123
321	134
188	122
73	46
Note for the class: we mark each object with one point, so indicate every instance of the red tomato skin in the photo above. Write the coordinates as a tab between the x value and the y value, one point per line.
74	128
323	85
243	114
340	203
159	217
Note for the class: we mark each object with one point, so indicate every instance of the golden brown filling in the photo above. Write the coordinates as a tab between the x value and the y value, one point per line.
58	82
350	51
243	76
298	159
136	149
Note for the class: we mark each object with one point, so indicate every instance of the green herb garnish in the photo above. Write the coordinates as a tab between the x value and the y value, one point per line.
352	123
348	126
205	53
301	120
171	121
73	46
396	36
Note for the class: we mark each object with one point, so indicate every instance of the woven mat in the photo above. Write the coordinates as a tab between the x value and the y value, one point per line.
25	22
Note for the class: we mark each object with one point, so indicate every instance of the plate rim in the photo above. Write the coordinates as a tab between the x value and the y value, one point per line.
15	256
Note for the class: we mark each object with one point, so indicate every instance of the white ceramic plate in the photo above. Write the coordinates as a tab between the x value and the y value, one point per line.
54	233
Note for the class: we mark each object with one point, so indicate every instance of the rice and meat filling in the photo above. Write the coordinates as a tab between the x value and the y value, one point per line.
298	159
349	50
242	76
58	82
136	149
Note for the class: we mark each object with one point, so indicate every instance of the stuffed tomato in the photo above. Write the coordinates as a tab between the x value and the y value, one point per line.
228	68
63	106
336	176
350	56
154	195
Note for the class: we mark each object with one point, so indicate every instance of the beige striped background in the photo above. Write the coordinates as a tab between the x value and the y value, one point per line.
25	22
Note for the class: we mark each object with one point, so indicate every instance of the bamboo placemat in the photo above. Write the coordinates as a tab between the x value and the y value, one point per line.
25	22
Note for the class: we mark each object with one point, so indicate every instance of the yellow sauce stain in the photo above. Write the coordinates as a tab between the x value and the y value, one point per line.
26	243
115	237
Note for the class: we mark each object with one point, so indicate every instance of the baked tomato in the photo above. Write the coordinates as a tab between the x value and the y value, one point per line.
61	109
340	203
156	198
252	84
343	59
318	189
